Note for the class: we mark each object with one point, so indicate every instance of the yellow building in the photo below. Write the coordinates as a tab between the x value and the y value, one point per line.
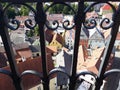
57	40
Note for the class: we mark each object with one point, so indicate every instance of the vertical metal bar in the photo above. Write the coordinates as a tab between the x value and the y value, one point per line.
78	24
108	50
41	19
9	51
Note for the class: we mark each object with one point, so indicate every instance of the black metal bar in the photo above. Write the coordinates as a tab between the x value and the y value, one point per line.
78	25
18	1
9	51
108	50
110	72
41	19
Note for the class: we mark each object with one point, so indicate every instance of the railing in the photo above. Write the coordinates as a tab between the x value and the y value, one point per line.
40	18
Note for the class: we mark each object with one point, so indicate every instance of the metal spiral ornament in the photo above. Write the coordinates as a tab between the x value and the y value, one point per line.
55	25
14	24
104	24
29	24
108	23
91	23
65	24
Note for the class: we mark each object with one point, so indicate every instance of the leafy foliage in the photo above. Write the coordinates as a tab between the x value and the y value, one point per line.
59	8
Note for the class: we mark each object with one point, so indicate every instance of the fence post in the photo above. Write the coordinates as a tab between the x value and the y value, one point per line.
9	50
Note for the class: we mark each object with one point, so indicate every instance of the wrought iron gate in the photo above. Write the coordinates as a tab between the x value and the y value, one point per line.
40	18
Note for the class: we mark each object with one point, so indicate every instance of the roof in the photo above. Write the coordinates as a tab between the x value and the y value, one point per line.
51	49
21	46
95	34
52	17
81	59
25	53
18	40
70	33
92	14
118	36
92	63
32	64
2	49
21	18
106	7
107	15
3	60
49	35
86	31
58	38
106	33
31	40
35	48
36	42
15	47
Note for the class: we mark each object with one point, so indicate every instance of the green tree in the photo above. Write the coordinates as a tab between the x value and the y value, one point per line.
59	8
24	11
86	5
11	13
4	4
29	33
36	31
65	10
75	7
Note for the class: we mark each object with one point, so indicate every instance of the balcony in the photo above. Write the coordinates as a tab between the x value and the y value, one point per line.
57	45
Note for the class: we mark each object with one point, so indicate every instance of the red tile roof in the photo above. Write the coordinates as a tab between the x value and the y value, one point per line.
28	81
49	35
52	17
58	37
81	58
3	60
106	7
91	15
51	49
27	53
106	33
21	18
118	36
21	46
92	63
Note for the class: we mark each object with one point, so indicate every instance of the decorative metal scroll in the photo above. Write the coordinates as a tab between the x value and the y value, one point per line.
65	24
14	24
41	21
92	21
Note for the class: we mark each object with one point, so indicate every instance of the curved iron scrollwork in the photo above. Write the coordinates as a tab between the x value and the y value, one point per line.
14	24
86	73
26	72
65	24
107	21
91	23
56	70
6	72
110	72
